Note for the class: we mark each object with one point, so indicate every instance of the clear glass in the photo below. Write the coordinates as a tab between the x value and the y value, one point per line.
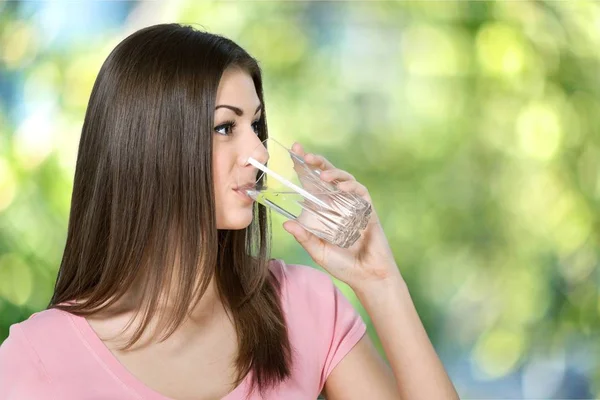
293	189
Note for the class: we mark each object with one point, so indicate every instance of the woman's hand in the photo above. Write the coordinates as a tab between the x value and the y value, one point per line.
369	260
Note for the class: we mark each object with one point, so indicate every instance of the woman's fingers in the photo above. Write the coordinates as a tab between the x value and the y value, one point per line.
329	172
354	187
311	158
318	161
298	149
345	180
336	173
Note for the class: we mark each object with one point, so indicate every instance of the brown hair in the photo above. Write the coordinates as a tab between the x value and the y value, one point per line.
143	194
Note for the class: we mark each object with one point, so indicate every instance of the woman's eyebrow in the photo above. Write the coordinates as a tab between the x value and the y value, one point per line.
236	110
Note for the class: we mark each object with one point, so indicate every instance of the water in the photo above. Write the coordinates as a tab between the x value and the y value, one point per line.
335	216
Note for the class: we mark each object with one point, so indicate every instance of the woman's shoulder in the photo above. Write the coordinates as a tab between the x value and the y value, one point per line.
300	279
41	329
22	368
46	321
309	292
323	323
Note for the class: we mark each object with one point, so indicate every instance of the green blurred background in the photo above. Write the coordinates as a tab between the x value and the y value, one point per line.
475	126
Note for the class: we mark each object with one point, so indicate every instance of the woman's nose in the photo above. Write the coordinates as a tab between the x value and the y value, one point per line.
255	149
261	154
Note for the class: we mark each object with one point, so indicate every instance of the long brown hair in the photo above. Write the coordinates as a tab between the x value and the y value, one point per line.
143	193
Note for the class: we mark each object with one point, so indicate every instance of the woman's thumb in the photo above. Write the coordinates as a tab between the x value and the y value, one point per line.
302	235
309	241
293	227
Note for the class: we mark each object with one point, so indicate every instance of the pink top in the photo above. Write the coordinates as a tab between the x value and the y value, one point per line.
57	355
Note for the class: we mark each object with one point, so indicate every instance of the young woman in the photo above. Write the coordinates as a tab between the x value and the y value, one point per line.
166	289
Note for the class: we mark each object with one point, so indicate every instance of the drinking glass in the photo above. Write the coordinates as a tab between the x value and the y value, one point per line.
287	185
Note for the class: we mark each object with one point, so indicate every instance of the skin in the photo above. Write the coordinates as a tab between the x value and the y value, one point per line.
233	146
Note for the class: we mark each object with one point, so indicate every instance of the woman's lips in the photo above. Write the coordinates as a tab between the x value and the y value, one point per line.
246	186
242	193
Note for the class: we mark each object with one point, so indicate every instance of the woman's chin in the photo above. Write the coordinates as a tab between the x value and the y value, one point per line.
241	220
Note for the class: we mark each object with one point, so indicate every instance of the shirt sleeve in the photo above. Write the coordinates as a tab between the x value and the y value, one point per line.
345	330
22	375
323	323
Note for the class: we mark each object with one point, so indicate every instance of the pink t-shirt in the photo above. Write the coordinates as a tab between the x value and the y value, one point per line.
57	355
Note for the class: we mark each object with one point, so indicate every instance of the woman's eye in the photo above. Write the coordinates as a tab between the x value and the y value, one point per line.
227	127
256	126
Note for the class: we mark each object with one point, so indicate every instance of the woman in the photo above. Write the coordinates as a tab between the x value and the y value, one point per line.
166	288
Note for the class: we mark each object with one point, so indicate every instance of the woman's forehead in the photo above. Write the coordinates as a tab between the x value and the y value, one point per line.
236	88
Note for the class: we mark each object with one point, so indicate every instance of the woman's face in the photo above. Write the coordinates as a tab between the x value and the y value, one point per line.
235	138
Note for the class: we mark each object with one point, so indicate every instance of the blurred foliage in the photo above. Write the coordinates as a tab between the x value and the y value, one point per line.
475	126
